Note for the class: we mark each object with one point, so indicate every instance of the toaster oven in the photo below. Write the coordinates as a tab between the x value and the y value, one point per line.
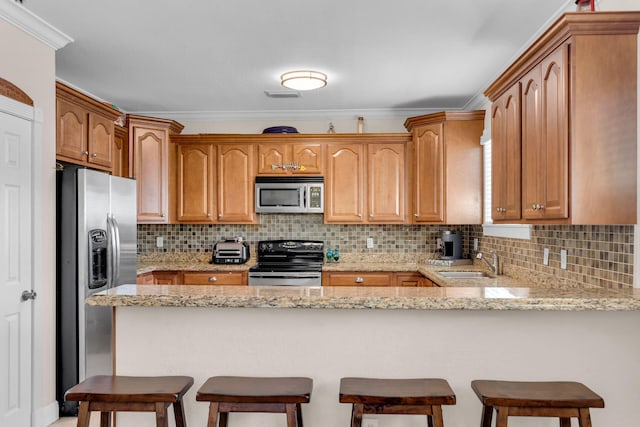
230	252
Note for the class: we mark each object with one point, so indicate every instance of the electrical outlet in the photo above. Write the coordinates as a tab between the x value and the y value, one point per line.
545	256
369	245
563	259
369	422
438	243
475	244
159	242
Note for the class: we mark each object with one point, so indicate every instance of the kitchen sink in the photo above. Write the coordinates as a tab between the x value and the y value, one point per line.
464	274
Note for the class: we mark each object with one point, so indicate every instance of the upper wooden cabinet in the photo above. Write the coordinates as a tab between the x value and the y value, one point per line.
578	116
121	152
447	167
365	179
196	177
85	129
153	157
236	183
307	156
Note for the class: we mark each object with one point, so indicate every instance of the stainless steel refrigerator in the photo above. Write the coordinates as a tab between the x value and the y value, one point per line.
96	250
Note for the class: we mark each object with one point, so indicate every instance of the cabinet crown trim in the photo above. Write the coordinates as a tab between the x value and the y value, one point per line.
443	116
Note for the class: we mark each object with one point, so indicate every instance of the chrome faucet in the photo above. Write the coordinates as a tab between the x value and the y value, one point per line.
494	266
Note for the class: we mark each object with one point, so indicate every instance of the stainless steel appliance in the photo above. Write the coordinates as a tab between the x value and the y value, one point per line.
451	245
290	194
96	250
288	263
230	252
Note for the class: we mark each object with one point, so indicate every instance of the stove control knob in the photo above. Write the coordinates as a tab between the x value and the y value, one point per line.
263	247
270	246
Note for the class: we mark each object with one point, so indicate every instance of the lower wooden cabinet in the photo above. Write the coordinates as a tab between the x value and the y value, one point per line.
377	278
215	278
159	278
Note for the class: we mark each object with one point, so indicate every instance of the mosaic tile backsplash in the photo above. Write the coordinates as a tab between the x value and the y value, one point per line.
597	255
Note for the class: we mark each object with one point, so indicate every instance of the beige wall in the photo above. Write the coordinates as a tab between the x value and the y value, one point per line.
30	65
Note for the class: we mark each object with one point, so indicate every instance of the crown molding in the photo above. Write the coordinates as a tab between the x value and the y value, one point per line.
27	21
289	114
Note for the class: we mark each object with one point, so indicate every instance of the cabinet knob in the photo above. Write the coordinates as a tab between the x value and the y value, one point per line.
359	280
540	206
213	279
209	215
94	155
85	153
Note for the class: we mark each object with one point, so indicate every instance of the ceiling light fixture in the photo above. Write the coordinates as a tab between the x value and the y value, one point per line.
304	80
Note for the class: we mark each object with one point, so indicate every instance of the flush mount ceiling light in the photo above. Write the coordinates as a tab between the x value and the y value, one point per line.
304	80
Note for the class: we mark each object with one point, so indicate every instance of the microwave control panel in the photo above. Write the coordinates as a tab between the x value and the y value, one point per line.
315	196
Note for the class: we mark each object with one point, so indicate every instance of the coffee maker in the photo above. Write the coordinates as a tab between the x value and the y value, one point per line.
451	245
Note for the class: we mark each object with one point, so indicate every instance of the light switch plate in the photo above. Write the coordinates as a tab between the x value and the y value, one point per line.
545	256
159	242
563	259
475	244
369	242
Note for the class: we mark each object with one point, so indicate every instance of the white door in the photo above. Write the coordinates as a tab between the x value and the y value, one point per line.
15	271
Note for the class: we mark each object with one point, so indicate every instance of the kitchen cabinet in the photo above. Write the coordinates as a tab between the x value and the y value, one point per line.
120	152
447	167
365	180
153	156
578	87
195	188
159	278
85	129
357	278
215	278
308	155
236	183
412	279
506	156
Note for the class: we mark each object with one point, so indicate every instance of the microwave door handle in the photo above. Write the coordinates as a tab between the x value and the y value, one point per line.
304	196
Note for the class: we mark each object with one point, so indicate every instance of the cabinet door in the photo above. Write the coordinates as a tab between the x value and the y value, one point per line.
506	156
151	152
429	173
309	156
71	141
101	135
166	278
195	186
532	155
358	279
555	136
145	279
215	278
344	186
409	279
386	183
270	155
236	183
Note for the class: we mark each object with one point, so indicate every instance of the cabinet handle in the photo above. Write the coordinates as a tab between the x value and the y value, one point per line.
209	215
213	279
415	215
94	155
85	153
540	206
162	215
359	280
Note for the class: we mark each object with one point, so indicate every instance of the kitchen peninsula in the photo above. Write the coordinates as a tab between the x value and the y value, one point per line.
461	334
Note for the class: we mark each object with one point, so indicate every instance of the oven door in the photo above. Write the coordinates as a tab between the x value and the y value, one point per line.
285	278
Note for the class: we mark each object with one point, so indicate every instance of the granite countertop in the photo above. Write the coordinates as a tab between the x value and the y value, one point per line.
388	298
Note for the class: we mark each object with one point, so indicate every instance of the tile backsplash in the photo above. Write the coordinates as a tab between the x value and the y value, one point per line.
597	255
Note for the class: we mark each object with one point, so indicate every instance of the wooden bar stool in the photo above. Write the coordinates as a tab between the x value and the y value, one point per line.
417	396
564	400
106	393
255	394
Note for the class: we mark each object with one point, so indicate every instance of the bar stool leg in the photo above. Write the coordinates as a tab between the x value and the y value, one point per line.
565	422
299	414
487	415
292	417
178	412
503	416
437	416
161	415
584	418
224	417
356	415
429	420
84	415
213	415
105	419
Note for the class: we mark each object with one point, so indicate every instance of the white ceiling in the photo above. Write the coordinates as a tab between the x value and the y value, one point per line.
217	57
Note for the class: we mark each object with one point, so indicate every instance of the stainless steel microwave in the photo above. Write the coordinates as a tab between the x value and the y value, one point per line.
289	194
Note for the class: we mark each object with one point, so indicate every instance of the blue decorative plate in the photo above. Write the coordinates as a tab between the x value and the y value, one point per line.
280	129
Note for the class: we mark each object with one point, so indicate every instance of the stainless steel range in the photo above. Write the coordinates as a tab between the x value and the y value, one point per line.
288	263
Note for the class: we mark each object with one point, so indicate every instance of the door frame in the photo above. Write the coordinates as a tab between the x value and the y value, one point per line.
36	117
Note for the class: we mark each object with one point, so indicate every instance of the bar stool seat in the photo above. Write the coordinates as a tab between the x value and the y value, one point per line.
255	394
564	400
417	396
106	393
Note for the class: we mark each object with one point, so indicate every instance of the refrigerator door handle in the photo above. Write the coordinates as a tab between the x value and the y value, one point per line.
110	252
116	245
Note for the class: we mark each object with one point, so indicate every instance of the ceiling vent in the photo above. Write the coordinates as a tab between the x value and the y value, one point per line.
283	93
